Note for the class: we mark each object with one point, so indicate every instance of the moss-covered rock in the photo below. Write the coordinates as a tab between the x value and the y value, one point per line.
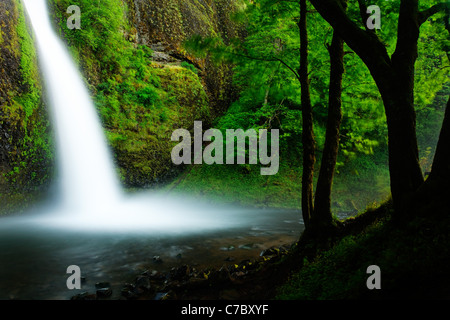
171	22
25	140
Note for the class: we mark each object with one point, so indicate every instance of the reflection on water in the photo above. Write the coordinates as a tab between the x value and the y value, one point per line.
35	251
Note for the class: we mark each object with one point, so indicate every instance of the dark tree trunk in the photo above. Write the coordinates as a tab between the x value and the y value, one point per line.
308	139
398	96
404	167
322	205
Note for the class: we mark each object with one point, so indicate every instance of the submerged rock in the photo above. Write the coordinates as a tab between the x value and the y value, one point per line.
102	285
270	252
179	274
230	248
230	259
157	260
248	246
128	292
85	296
143	282
104	292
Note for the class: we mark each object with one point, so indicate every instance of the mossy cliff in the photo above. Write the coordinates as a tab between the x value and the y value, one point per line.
25	139
165	24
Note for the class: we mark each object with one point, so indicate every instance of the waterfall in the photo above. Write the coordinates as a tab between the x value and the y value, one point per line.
91	195
87	177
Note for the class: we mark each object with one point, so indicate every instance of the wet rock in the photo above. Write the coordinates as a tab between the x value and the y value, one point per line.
157	260
156	276
230	259
143	282
244	263
248	246
247	265
269	252
179	274
230	248
104	292
161	296
85	296
162	57
219	276
102	285
128	291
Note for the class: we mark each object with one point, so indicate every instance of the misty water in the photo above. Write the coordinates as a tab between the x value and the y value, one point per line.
34	256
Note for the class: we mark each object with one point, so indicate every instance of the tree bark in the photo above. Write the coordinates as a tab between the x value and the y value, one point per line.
322	205
398	96
404	167
309	157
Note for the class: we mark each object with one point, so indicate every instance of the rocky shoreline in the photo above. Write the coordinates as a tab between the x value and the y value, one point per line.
249	279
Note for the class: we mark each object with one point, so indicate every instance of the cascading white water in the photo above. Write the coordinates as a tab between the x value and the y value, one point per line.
87	175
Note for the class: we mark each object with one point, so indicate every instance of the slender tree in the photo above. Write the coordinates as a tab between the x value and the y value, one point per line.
322	204
309	156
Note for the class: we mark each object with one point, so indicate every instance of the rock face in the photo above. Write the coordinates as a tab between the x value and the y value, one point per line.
163	25
25	151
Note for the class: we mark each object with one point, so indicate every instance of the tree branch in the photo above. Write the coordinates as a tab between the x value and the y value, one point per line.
425	14
268	59
366	44
363	13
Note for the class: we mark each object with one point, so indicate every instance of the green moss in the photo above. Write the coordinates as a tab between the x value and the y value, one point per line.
1	36
29	158
28	64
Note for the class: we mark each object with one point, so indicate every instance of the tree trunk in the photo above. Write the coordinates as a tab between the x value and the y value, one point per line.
398	96
404	167
322	205
308	139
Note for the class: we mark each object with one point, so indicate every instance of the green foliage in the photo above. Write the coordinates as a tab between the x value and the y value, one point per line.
266	65
265	73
